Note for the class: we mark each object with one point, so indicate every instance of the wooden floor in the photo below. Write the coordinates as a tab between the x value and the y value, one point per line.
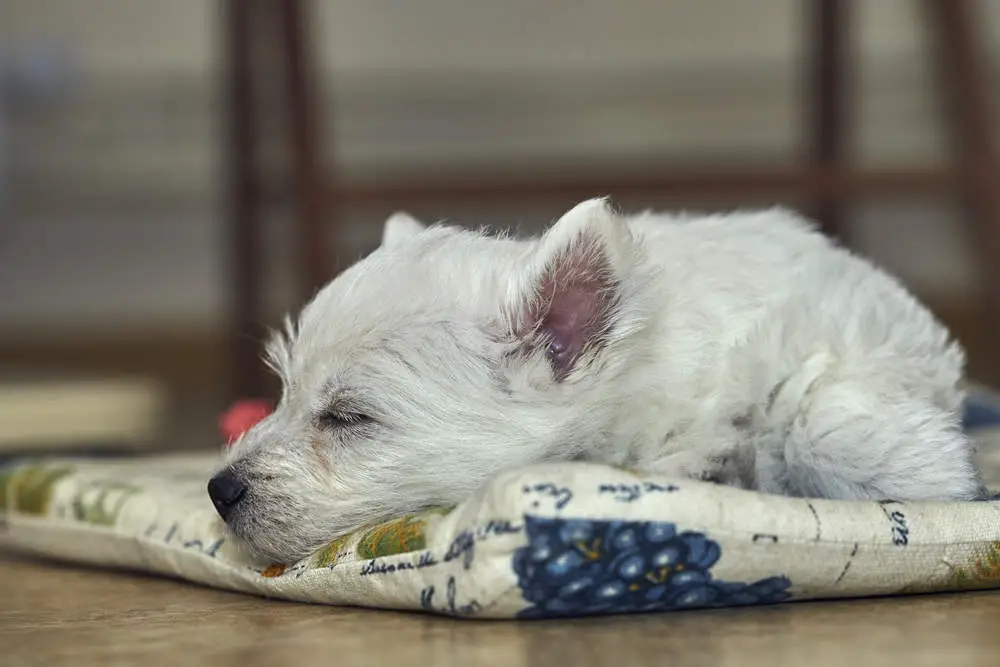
52	614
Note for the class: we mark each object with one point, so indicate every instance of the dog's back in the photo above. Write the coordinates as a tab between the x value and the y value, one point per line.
844	384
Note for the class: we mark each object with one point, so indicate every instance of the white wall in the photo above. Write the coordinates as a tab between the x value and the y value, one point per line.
118	217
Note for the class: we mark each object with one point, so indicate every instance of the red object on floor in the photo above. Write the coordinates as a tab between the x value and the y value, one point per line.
241	417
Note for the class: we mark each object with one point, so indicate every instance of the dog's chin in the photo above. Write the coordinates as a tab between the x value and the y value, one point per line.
296	532
267	541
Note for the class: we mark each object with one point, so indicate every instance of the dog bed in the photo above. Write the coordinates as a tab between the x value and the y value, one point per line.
550	540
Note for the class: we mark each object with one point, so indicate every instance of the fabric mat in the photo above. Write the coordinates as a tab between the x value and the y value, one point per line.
549	540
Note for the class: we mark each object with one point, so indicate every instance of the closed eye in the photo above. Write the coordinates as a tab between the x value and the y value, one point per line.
338	420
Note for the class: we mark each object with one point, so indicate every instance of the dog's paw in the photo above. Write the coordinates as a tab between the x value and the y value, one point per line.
730	465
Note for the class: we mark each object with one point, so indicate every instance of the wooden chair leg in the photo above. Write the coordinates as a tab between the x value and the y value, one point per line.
244	200
305	145
827	88
962	66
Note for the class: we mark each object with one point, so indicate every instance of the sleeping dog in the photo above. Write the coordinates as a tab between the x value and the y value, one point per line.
744	349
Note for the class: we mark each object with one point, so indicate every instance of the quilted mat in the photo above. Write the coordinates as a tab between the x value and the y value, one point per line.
545	541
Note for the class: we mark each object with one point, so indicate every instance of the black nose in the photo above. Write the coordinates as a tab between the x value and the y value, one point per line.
226	490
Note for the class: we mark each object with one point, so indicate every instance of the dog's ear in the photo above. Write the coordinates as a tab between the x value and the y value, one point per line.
566	301
399	227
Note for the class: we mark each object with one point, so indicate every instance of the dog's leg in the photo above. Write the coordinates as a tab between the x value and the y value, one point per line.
866	438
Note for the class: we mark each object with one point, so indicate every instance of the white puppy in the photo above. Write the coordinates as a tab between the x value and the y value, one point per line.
744	349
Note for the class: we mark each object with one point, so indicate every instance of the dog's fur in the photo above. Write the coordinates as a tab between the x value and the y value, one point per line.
744	349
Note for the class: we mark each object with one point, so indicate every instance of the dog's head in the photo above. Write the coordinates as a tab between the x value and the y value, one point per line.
440	359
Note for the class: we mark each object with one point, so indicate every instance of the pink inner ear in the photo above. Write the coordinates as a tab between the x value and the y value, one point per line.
576	295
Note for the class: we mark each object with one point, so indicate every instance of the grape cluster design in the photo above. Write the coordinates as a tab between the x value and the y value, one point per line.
577	567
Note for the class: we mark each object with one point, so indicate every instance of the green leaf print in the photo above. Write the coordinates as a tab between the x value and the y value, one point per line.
28	488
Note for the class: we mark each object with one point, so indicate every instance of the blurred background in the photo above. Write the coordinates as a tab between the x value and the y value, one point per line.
176	174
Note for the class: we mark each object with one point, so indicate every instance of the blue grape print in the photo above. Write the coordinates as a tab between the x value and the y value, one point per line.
573	567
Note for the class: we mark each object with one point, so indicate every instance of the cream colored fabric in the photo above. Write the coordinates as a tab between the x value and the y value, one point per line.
566	539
